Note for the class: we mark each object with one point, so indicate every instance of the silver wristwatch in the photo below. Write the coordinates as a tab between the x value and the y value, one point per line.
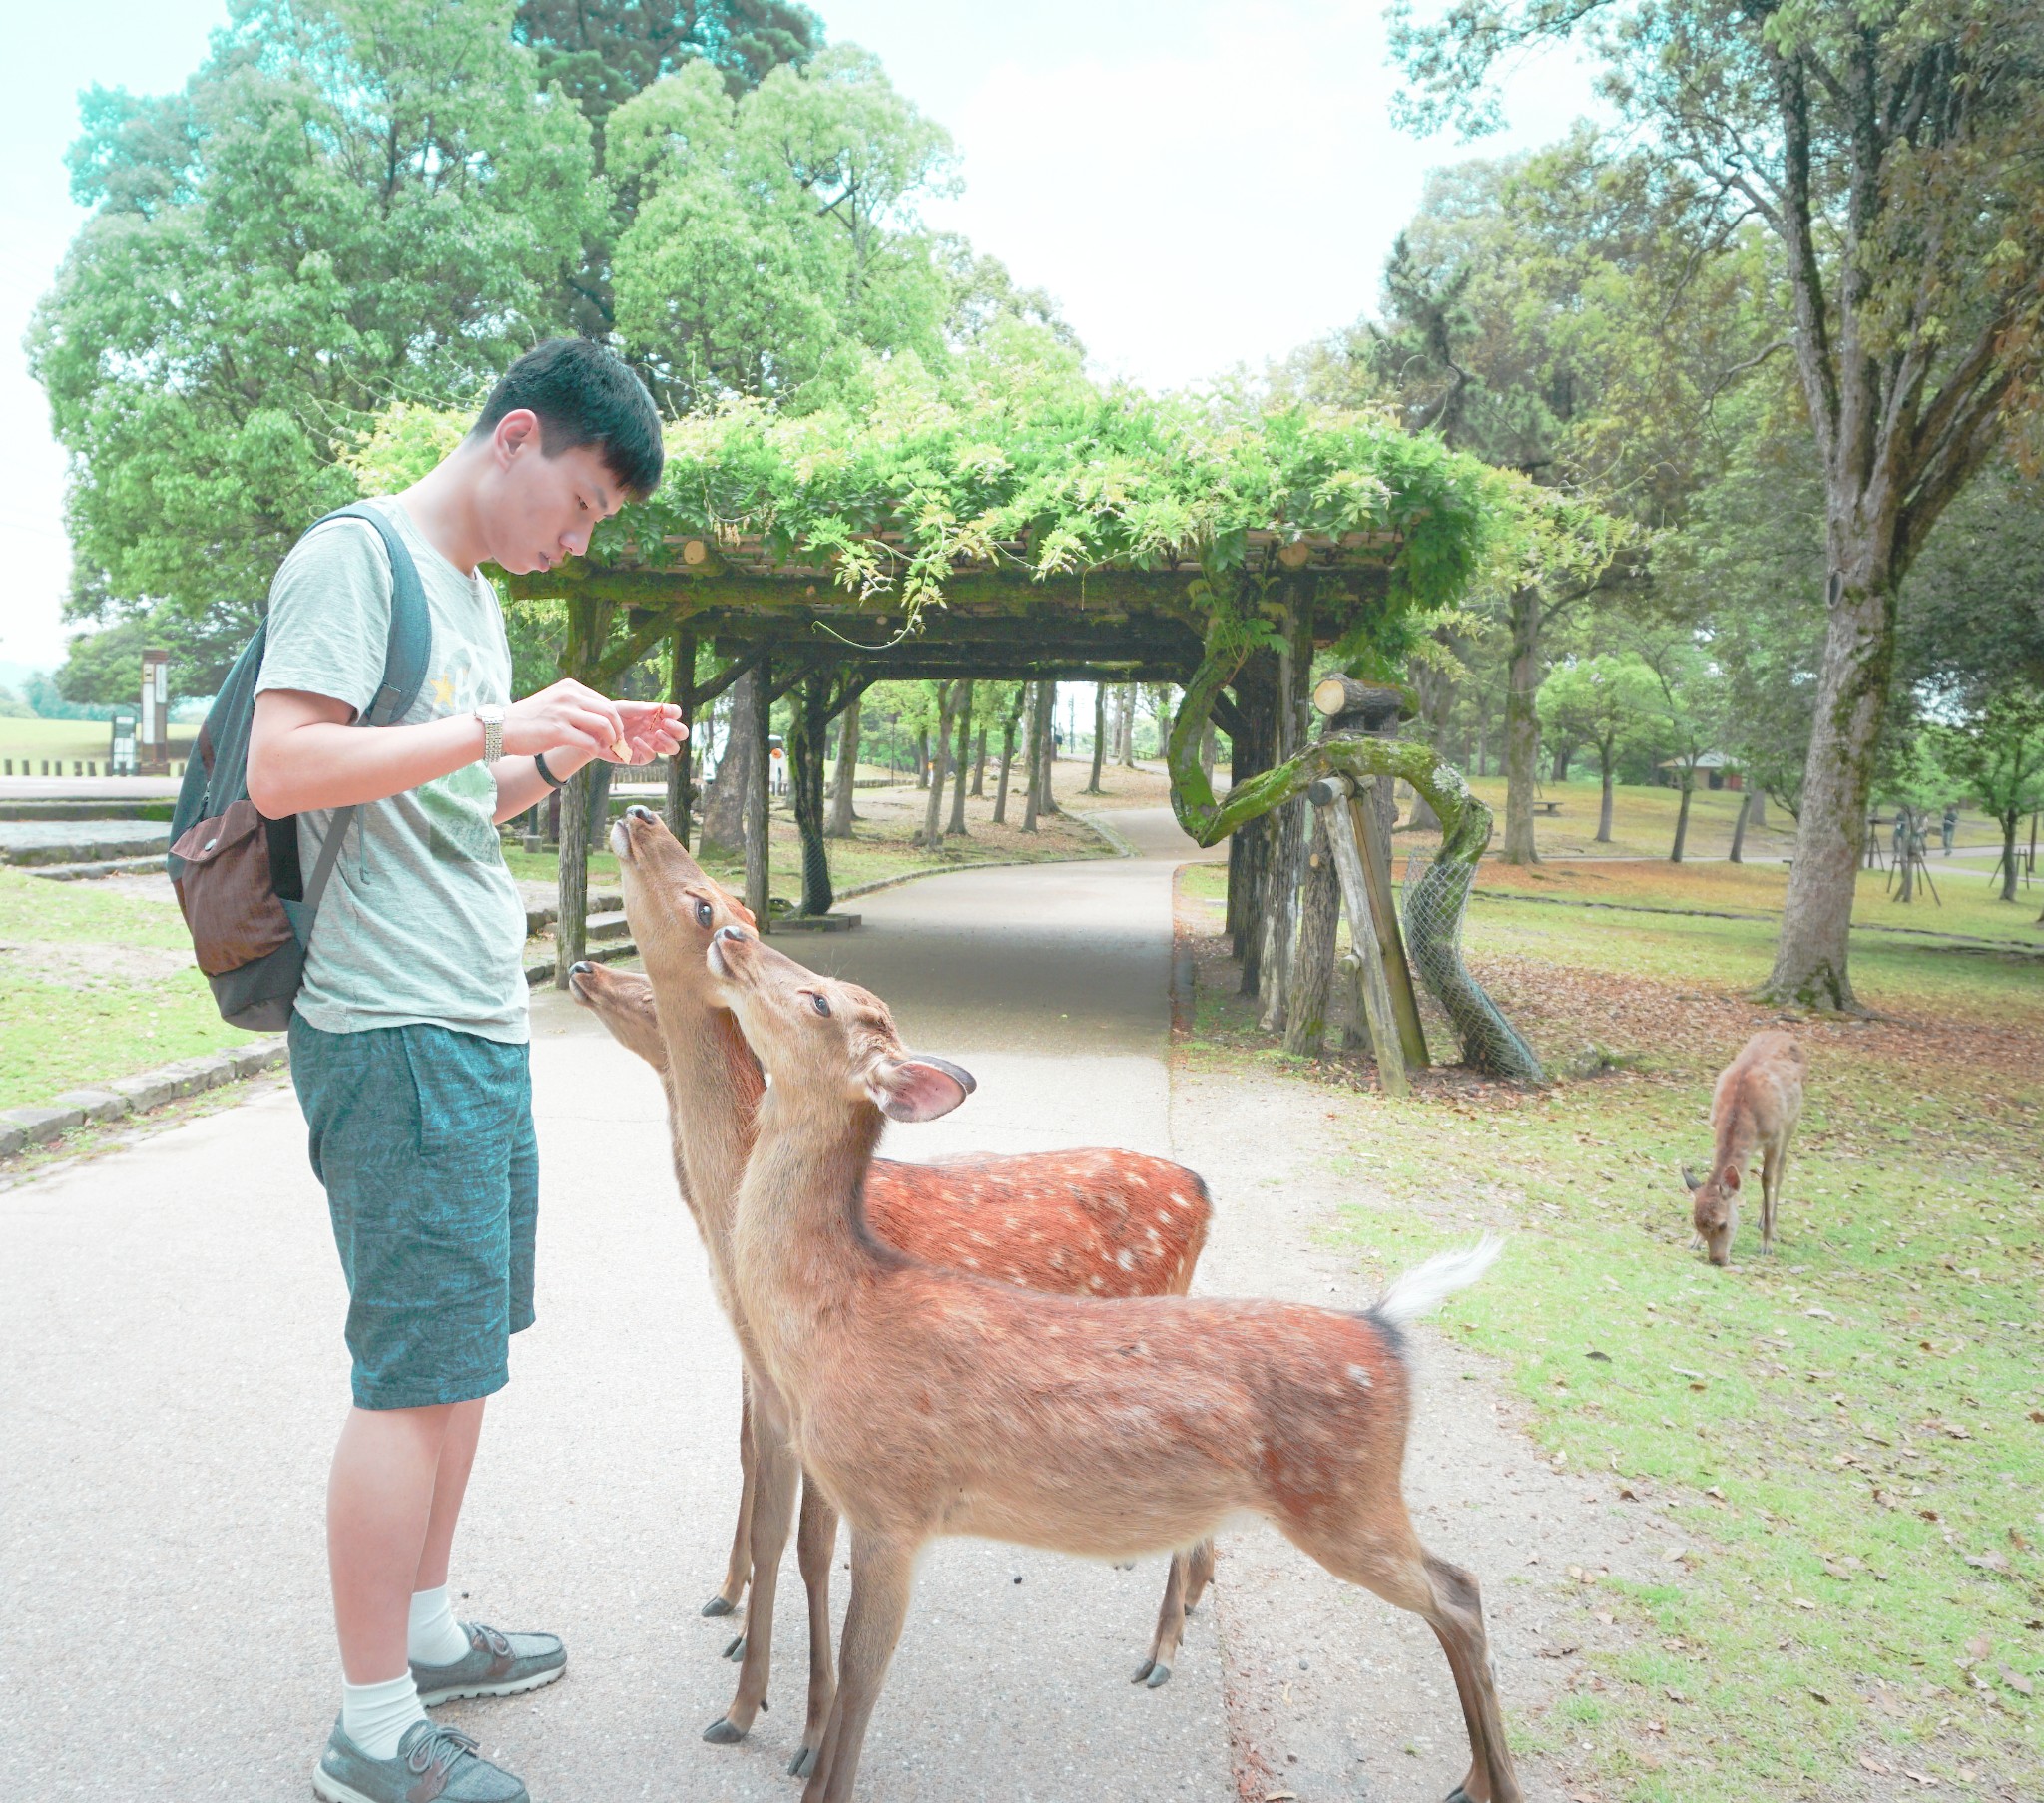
492	718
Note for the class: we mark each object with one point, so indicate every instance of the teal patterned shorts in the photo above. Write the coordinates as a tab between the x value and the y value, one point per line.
422	1139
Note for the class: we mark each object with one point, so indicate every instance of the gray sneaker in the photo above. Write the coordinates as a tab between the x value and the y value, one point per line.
432	1763
495	1666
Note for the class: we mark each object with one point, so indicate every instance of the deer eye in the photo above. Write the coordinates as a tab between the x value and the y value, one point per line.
820	1004
703	914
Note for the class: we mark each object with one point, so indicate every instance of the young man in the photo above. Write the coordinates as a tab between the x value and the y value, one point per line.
409	1044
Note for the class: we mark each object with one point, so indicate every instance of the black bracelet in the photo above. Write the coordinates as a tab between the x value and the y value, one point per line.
539	763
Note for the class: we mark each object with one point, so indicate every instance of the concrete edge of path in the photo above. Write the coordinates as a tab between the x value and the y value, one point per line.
22	1129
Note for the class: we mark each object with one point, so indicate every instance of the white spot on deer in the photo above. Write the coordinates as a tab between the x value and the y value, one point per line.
1359	1376
1096	1281
1179	1200
1126	1259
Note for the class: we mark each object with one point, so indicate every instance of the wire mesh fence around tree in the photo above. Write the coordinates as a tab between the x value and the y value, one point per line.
1435	900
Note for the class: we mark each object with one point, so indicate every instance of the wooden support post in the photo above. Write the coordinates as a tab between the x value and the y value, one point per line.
680	775
759	822
1331	795
1375	844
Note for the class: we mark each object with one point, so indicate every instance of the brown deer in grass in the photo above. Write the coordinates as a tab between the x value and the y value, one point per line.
1754	1108
930	1401
1089	1223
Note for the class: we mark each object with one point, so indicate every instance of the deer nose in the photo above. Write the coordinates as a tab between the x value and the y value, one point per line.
580	968
639	811
737	933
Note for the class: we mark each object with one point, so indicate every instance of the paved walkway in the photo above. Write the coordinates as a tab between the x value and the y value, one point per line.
172	1376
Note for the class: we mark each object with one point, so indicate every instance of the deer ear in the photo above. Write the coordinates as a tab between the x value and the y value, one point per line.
1731	1179
1690	1179
919	1089
738	907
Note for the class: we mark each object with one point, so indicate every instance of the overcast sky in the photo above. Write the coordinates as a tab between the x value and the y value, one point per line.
1201	185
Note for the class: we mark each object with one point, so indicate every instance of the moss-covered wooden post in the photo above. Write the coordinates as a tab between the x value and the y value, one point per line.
759	883
589	624
681	771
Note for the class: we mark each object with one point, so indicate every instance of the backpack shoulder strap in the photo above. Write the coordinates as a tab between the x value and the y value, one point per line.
404	674
412	625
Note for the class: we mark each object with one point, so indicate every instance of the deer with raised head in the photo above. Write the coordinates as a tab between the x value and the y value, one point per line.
1754	1108
1090	1222
929	1402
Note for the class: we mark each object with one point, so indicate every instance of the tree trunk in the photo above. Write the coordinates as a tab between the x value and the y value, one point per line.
1207	753
807	736
1522	726
1287	864
979	764
841	814
1738	855
1012	723
571	919
1249	848
724	809
1038	727
1604	763
1047	803
1756	815
1682	817
1810	958
757	729
2009	822
960	763
680	768
1099	736
1313	956
1125	752
933	813
1562	754
923	757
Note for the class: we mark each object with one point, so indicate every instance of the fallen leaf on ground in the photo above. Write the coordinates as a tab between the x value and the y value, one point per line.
2016	1681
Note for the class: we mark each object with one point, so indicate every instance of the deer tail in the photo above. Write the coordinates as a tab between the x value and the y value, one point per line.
1426	1286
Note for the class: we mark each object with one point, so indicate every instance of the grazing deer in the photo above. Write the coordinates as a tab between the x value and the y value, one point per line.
1756	1106
930	1401
1089	1223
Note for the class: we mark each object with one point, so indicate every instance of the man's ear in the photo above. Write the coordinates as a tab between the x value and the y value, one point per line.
738	907
919	1089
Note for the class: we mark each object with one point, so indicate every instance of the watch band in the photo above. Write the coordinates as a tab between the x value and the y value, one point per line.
539	763
493	732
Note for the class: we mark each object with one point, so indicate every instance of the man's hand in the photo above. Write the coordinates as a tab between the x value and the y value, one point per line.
650	729
567	715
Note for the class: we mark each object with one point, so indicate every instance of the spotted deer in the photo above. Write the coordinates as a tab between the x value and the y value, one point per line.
1754	1108
1090	1222
929	1402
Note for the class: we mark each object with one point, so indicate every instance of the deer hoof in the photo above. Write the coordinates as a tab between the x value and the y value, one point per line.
737	1650
721	1733
804	1762
720	1606
1152	1673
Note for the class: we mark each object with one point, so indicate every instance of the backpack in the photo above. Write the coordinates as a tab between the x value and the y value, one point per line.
246	903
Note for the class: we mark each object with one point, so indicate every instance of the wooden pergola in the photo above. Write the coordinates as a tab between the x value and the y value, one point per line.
805	635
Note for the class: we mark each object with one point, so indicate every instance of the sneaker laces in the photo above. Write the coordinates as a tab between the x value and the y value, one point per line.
438	1748
493	1642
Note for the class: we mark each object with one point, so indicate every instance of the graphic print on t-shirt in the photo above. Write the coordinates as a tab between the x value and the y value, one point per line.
461	807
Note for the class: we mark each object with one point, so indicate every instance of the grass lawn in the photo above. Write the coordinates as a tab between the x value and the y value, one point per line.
1966	903
94	984
1643	822
1850	1436
28	742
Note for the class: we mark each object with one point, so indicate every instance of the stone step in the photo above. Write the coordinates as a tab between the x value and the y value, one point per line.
602	928
29	842
812	923
539	916
541	970
111	807
85	873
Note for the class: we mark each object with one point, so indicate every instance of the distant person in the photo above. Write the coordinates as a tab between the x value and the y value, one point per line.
409	1037
1901	837
1948	826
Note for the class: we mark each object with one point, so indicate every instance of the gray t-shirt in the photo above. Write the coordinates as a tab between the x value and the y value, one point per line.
421	923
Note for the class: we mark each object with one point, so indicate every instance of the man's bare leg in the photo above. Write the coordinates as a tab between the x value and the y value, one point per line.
450	1484
381	1497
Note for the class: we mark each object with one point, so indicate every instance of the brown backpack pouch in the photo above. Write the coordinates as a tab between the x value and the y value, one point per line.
229	900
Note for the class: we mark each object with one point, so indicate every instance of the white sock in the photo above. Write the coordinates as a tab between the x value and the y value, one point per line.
434	1638
375	1716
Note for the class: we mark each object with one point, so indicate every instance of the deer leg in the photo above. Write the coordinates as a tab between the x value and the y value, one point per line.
1772	1166
773	1499
1191	1572
1171	1625
1386	1556
815	1545
882	1571
739	1567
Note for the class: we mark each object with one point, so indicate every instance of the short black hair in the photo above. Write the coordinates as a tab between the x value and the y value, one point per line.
584	395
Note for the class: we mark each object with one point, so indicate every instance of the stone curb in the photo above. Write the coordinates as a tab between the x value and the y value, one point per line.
542	969
21	1129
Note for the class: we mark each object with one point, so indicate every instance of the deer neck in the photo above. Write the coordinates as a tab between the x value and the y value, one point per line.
1736	1140
714	1090
800	1236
